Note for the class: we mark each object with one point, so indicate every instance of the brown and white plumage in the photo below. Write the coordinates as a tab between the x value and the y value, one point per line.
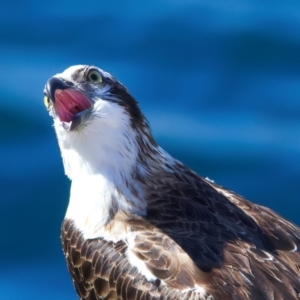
141	225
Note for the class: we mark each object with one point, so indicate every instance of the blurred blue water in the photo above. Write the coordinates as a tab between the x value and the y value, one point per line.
218	81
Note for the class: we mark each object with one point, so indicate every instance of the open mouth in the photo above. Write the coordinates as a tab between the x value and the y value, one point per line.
70	105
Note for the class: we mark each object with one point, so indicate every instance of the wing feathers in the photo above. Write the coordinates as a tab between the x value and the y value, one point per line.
219	246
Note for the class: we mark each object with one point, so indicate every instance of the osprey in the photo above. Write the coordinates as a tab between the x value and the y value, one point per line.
142	225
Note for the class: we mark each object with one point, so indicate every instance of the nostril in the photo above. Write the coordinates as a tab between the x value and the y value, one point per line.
70	83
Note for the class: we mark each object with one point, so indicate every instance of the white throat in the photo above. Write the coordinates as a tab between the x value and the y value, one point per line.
100	159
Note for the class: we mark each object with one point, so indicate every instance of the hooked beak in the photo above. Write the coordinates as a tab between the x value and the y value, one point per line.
70	104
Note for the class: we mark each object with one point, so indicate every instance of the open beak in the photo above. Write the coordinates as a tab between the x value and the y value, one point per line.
69	103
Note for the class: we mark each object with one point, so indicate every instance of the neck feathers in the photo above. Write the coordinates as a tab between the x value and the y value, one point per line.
104	161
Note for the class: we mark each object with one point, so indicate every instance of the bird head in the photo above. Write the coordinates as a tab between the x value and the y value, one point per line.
75	96
95	118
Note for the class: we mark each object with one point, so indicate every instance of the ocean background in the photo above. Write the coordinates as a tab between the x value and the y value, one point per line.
219	82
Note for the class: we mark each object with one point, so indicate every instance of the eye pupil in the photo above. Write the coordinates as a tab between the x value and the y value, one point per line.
94	77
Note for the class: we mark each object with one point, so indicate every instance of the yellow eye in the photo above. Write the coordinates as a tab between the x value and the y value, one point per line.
46	101
94	76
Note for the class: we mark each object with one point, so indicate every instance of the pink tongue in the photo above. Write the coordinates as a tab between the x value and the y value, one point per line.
68	103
